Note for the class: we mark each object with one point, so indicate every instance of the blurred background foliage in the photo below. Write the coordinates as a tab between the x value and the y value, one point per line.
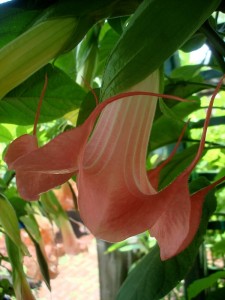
97	41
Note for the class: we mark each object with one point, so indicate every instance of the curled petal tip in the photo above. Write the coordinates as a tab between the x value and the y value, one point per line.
19	148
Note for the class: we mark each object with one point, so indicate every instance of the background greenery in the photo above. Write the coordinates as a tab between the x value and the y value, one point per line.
112	45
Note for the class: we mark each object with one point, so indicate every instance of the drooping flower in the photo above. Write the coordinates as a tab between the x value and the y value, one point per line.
117	197
72	245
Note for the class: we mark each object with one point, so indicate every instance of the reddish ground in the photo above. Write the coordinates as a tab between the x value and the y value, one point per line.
77	279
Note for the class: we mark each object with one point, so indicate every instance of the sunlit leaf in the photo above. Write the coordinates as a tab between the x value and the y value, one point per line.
62	95
87	106
5	134
141	43
201	284
13	21
166	130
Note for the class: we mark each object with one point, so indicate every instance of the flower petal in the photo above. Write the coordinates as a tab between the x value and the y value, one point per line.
62	155
20	147
172	226
173	240
114	190
197	200
125	203
31	184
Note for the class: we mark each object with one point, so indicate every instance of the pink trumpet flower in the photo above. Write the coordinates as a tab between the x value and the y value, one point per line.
117	197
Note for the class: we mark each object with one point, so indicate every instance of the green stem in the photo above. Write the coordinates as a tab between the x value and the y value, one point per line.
213	37
219	58
215	43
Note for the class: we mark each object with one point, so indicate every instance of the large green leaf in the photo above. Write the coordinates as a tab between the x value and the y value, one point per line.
5	135
42	264
67	64
33	231
177	165
201	284
152	278
184	88
59	29
10	224
166	130
105	46
31	226
86	55
52	206
21	287
187	80
188	72
62	95
156	30
87	106
195	42
19	206
13	22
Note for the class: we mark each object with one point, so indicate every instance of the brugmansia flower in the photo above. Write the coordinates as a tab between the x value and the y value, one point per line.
117	197
72	245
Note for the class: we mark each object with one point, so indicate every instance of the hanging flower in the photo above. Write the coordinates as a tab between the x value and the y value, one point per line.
117	197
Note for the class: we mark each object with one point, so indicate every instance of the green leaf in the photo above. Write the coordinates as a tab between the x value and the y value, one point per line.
189	72
42	264
116	246
13	22
194	43
164	132
152	278
177	165
67	64
87	106
32	227
21	287
218	247
187	80
201	284
150	38
5	135
52	205
14	253
169	112
86	46
62	95
167	130
106	44
59	29
19	206
118	24
184	89
87	53
10	224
